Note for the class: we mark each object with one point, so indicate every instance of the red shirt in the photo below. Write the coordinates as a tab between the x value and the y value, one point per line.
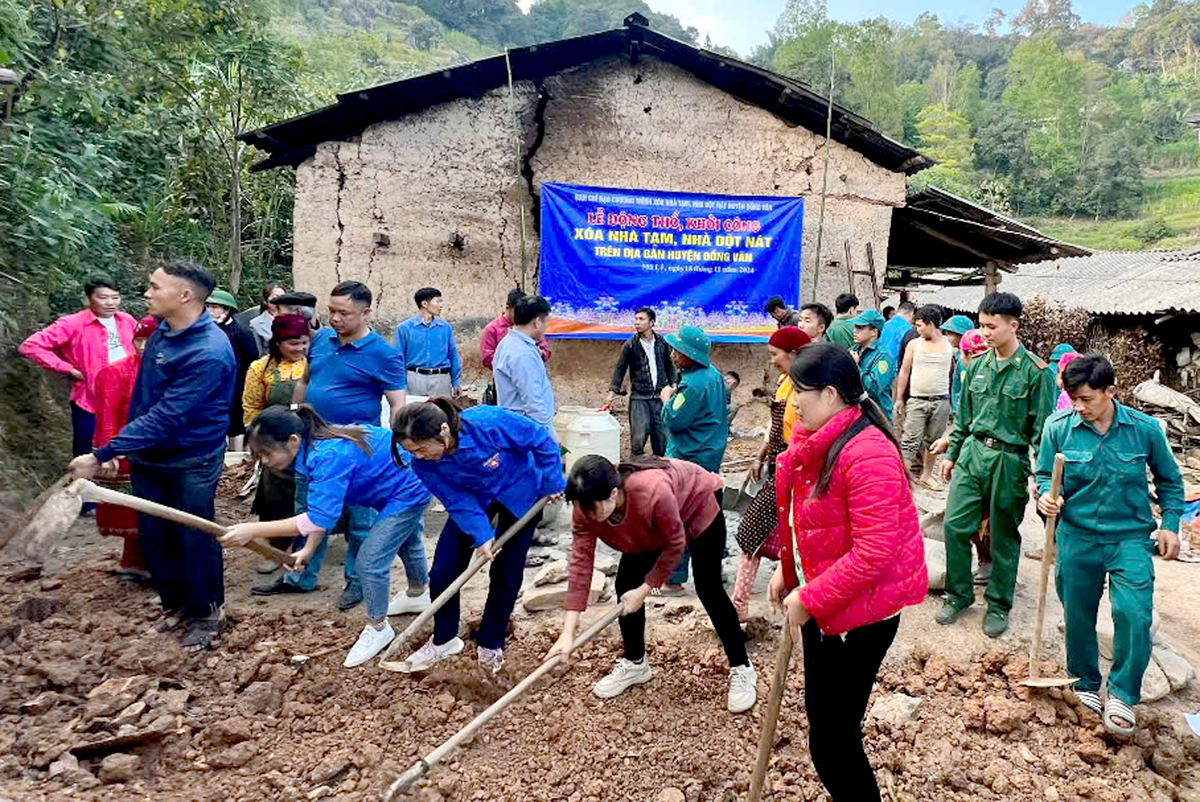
493	333
664	509
77	341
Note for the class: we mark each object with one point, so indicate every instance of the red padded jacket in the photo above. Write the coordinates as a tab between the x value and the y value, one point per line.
859	544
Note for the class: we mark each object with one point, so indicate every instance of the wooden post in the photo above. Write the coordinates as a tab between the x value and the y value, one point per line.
991	278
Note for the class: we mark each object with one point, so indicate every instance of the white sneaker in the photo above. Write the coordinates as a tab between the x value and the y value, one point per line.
491	659
624	675
743	688
370	643
427	655
403	604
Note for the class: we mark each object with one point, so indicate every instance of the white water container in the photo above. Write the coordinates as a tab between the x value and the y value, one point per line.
583	430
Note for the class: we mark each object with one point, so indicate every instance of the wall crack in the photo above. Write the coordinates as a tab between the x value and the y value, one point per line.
539	119
341	179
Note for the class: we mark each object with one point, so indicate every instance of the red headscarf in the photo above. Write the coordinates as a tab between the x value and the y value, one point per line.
145	327
972	343
285	327
790	339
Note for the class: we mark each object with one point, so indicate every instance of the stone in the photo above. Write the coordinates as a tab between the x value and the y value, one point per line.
1178	671
174	701
320	792
65	763
1002	714
329	769
114	695
935	563
53	583
235	756
260	697
366	755
537	599
119	768
36	609
896	708
551	573
131	714
606	565
671	795
1155	684
229	731
41	703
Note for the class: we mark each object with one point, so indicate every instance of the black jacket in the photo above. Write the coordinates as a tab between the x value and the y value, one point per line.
245	350
633	359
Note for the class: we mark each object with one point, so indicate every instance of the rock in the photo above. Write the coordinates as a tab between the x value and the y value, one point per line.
235	756
260	697
113	695
65	763
1002	714
551	573
1093	751
896	708
119	768
320	792
37	609
173	701
935	563
1178	671
51	584
229	731
670	795
1155	684
606	565
41	703
329	769
366	755
445	702
552	597
131	714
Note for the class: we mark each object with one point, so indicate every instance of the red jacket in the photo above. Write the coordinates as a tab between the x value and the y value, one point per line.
77	341
860	545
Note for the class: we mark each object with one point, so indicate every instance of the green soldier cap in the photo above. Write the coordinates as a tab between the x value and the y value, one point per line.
692	343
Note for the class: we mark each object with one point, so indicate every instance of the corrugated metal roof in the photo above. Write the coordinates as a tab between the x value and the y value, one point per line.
292	141
1111	283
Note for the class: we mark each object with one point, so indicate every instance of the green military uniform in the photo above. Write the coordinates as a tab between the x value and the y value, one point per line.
696	418
841	332
1000	416
1103	531
878	371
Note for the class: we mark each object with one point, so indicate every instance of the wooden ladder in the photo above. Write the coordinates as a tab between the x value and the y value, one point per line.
870	272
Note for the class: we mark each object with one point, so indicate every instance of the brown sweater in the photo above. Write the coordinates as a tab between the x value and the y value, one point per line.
664	509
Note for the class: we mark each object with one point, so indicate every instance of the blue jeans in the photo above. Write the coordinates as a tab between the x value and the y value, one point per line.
400	532
357	523
454	552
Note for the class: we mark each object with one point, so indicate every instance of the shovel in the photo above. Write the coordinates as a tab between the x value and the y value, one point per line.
766	739
423	766
476	563
1035	648
62	508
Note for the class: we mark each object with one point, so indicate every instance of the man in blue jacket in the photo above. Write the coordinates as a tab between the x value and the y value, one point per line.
175	442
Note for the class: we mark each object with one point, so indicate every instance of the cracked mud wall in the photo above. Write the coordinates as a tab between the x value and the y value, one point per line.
442	185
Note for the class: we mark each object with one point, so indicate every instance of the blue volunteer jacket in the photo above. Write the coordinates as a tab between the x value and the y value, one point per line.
501	456
180	408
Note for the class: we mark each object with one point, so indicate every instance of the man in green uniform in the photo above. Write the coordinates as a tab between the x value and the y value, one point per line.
841	332
694	413
1104	529
875	363
999	418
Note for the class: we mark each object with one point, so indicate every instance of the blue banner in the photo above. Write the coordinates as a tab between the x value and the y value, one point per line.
704	260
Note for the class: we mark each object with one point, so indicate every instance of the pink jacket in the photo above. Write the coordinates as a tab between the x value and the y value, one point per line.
77	341
493	333
859	543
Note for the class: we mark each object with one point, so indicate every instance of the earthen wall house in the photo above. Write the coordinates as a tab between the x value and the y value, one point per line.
433	196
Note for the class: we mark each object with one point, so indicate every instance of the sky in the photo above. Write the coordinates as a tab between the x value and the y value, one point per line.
743	24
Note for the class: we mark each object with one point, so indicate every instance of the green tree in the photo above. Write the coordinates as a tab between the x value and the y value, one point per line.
966	97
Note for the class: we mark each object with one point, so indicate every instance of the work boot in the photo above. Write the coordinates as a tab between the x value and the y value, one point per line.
624	675
995	623
950	612
371	642
352	596
743	688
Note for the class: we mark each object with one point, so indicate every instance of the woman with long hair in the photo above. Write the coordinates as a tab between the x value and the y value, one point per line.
344	466
481	463
650	509
754	534
843	485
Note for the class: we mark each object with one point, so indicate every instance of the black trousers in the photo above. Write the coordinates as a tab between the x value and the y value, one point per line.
645	421
838	675
83	429
707	550
186	565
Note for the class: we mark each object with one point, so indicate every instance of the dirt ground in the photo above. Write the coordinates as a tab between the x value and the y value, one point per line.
94	707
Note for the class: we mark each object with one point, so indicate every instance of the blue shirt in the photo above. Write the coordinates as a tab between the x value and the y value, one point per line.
180	407
893	332
428	345
501	456
340	474
522	383
346	382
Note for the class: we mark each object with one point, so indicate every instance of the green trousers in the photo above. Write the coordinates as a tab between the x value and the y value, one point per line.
1083	563
991	482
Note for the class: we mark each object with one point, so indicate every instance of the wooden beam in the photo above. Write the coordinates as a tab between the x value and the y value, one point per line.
937	282
949	240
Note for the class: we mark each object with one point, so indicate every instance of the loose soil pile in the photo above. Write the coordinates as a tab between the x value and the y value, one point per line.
95	707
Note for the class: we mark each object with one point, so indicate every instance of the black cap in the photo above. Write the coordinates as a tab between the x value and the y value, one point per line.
297	299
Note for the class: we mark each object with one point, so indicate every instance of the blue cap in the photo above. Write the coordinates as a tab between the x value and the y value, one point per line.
870	317
959	324
1059	350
